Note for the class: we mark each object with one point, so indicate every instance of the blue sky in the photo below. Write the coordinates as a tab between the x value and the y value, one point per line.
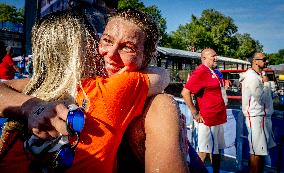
262	19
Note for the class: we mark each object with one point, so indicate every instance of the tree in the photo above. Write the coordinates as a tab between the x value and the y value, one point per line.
246	46
276	58
212	29
20	16
9	13
152	10
216	31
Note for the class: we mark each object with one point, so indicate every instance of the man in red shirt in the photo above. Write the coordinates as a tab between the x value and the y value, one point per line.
7	66
209	110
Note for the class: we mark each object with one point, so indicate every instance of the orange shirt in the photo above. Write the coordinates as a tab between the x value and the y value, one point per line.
113	103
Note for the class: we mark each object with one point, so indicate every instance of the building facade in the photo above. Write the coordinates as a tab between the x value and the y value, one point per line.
11	34
95	10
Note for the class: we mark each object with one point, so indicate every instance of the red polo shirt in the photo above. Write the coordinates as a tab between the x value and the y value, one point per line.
205	85
7	71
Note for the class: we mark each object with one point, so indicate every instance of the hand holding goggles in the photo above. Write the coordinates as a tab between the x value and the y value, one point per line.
57	154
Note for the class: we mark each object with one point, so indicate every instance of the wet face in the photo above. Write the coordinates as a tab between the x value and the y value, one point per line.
122	44
260	60
210	58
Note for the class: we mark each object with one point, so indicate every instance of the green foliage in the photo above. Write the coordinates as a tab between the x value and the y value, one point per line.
10	13
276	58
122	4
246	46
212	29
216	31
20	18
152	10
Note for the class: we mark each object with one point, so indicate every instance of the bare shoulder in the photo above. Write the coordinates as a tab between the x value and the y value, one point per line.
163	136
162	110
161	101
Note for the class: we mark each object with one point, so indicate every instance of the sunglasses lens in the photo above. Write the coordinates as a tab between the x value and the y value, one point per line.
264	59
261	59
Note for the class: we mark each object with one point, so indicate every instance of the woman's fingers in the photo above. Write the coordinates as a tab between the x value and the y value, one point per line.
41	134
49	120
59	121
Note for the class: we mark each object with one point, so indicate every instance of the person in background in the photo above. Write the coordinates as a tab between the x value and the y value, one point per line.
7	66
29	67
257	107
210	110
22	65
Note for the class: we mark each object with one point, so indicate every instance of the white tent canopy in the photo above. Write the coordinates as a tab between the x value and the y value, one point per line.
195	55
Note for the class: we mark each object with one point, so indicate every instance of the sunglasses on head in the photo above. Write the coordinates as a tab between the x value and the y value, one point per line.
262	59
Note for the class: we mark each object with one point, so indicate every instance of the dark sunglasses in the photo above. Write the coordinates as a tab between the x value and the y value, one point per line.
262	59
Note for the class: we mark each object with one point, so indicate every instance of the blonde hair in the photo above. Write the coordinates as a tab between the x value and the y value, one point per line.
64	51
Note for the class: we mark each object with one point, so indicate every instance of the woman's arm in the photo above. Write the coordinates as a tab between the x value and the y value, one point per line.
37	112
159	79
17	84
155	138
163	143
11	100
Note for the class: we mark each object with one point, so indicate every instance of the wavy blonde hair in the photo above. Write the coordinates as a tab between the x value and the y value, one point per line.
64	51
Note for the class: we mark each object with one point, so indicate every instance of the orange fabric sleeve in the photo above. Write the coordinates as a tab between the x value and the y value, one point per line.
119	92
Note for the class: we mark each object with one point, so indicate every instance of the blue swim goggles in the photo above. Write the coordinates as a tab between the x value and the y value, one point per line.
57	154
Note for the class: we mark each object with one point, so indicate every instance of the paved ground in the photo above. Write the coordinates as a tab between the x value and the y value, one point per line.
228	165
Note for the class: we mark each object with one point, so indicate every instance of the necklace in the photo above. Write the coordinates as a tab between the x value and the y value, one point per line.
256	72
85	101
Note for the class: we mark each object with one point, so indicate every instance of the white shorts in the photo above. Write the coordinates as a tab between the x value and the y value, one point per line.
210	139
260	135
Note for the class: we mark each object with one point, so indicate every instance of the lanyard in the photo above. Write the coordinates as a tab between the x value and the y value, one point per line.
215	76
